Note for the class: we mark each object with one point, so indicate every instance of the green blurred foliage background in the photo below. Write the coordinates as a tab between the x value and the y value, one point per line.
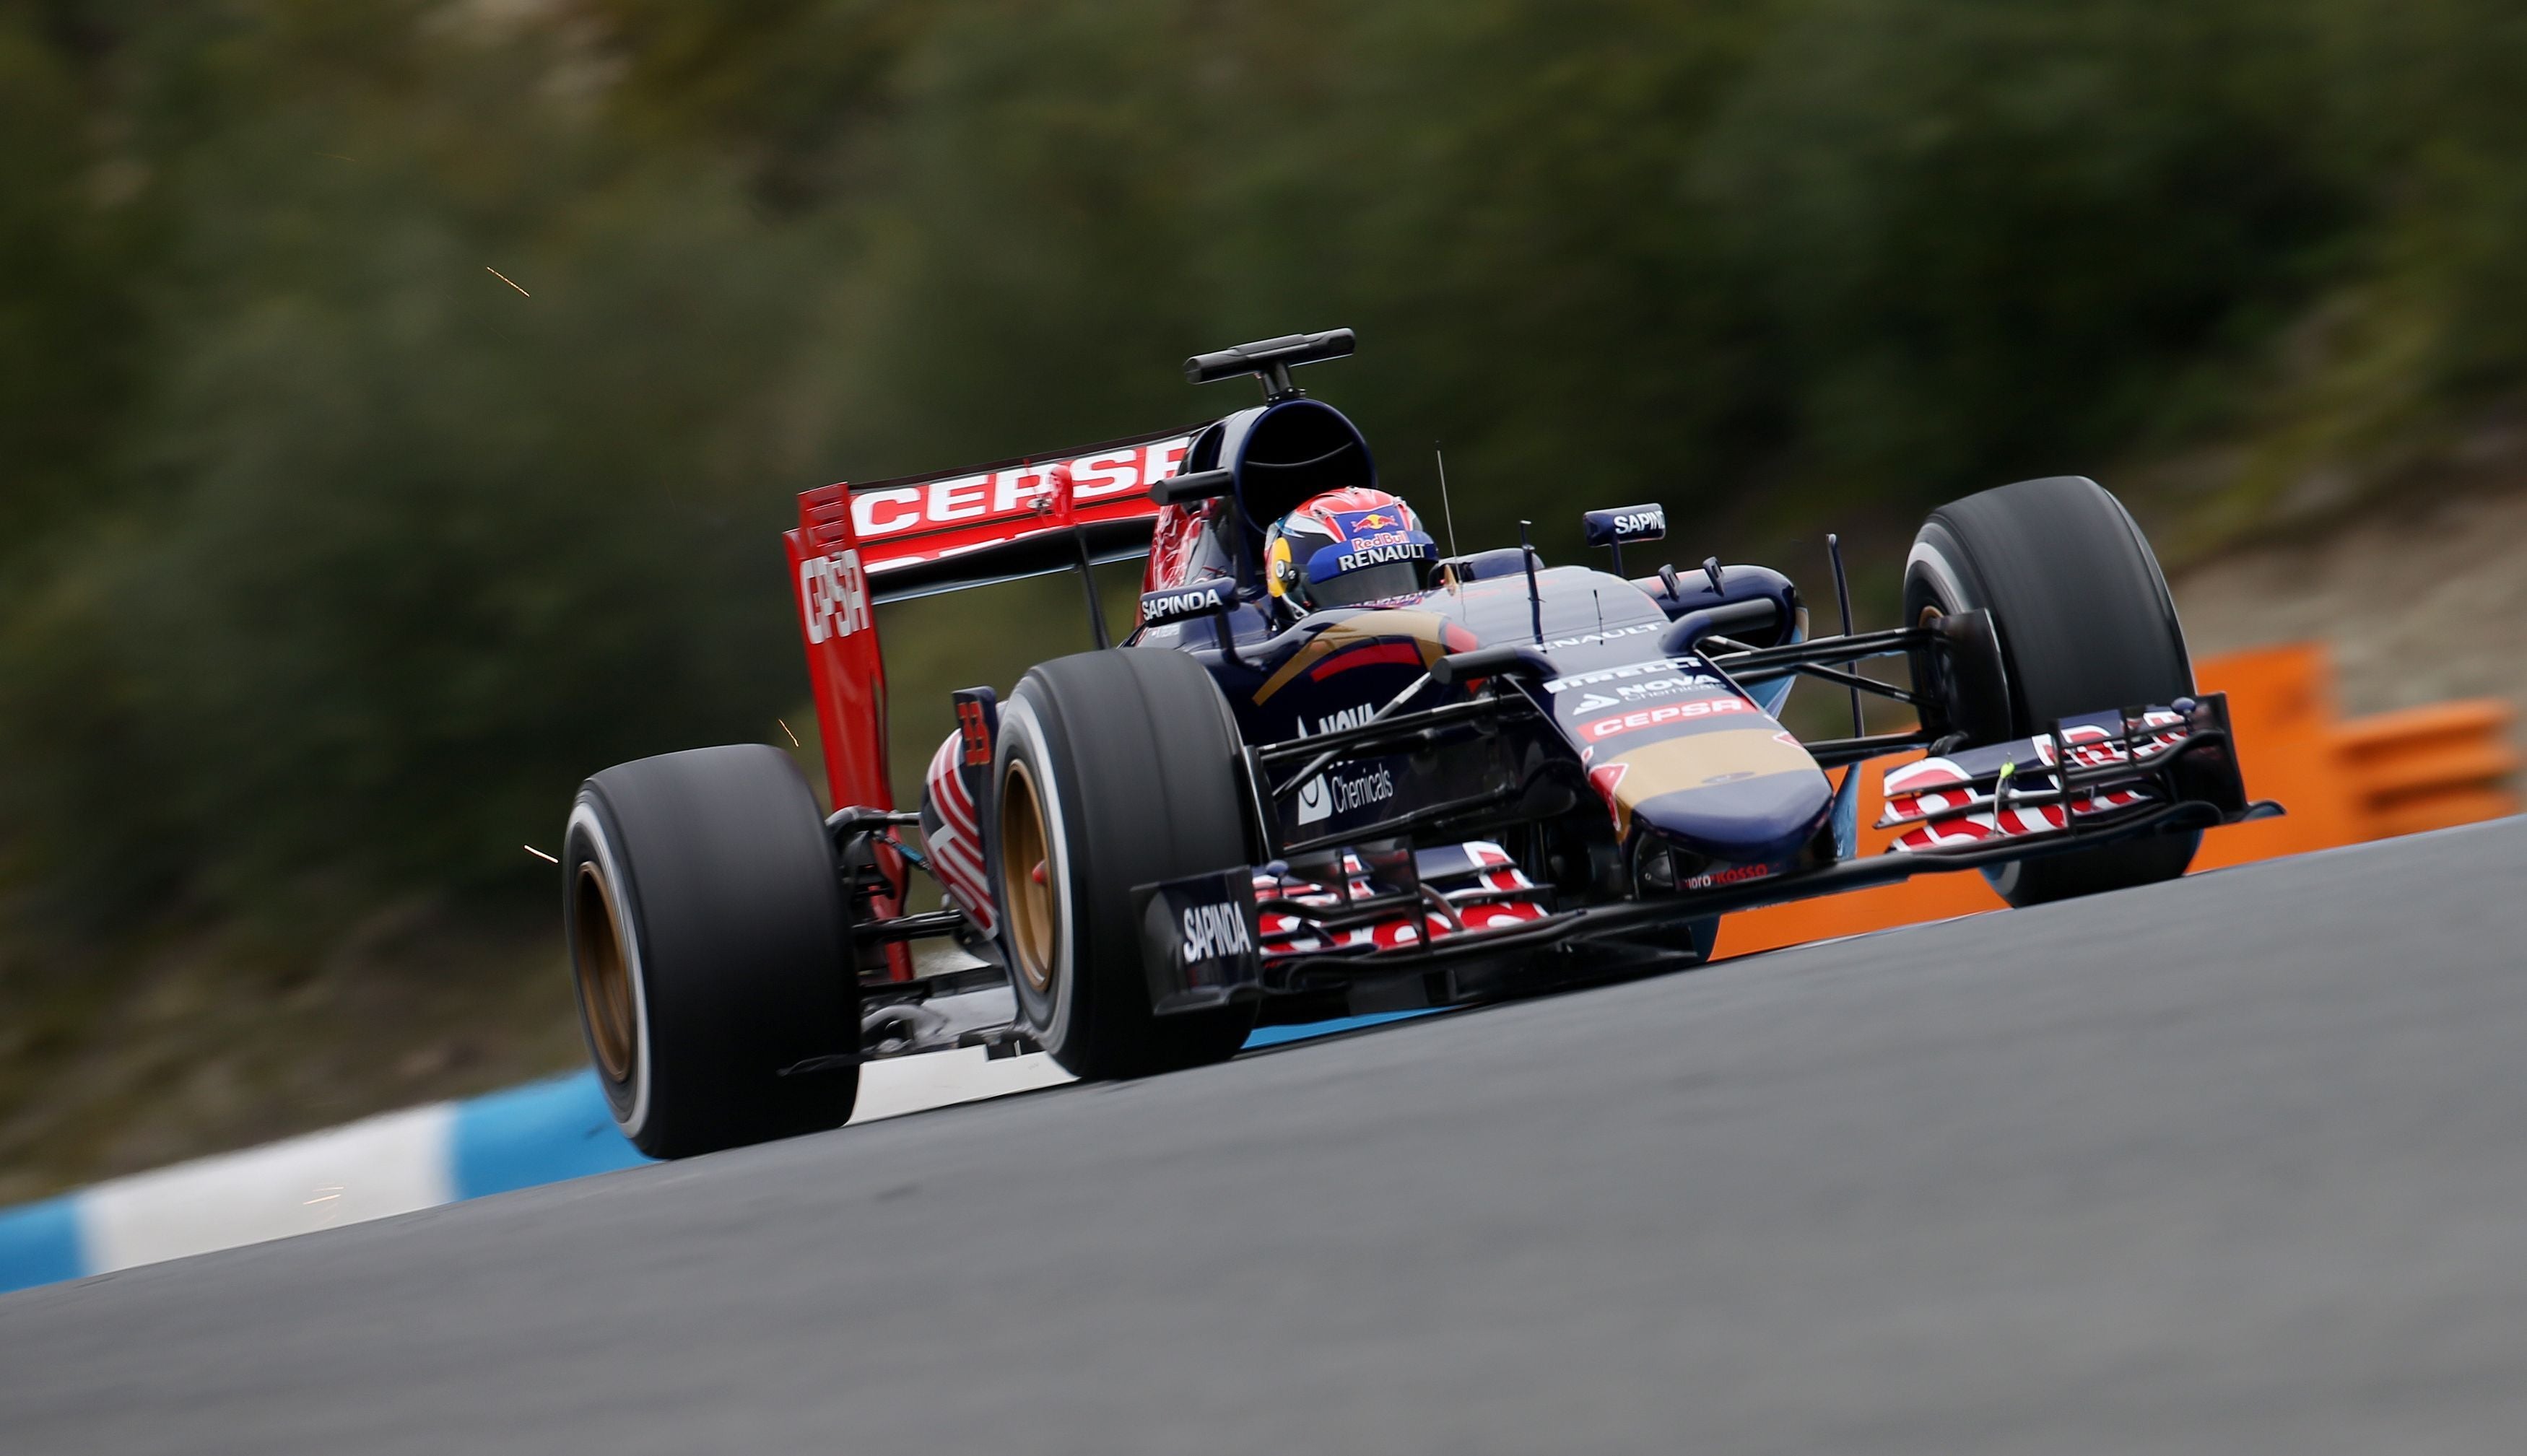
329	562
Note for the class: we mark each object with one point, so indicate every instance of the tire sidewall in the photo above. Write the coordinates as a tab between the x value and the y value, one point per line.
1937	578
1933	576
591	837
735	944
1024	737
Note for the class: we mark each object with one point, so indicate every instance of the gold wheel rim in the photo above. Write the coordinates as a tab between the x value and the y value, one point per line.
604	976
1034	911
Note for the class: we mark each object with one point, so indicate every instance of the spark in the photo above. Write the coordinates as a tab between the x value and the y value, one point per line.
784	728
539	854
338	157
505	277
324	1193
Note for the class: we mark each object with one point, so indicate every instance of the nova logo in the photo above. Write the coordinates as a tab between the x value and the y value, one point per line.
1641	688
1214	931
1661	687
834	594
1348	718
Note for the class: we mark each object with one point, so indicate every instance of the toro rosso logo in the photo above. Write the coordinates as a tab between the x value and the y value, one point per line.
1735	875
834	594
1626	722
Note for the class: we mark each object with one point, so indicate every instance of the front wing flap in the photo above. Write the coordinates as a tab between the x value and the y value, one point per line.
1362	906
2082	775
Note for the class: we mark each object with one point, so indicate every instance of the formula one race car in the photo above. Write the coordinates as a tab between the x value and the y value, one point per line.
1333	771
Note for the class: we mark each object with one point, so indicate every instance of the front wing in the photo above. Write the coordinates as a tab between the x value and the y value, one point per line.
2089	780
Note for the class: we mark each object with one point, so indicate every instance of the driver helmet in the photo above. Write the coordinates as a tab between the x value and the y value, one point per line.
1346	547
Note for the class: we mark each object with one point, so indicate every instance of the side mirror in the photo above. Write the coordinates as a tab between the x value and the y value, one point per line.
1483	566
1507	660
1614	528
1200	485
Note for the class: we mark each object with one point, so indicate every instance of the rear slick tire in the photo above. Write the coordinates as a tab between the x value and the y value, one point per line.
1113	770
710	950
2086	624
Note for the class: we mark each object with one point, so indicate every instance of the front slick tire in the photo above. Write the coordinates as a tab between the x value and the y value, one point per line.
2086	624
709	947
1113	770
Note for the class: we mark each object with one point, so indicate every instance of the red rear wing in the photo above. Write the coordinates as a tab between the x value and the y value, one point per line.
996	523
859	545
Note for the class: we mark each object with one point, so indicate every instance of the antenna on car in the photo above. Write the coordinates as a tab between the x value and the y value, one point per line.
1445	508
1842	595
1534	599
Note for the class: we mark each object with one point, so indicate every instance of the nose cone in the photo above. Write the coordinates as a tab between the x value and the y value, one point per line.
1736	795
1759	818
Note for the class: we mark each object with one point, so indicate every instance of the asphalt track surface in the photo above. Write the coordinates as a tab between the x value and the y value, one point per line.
2236	1165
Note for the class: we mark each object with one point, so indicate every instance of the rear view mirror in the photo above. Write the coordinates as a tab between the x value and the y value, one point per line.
1612	529
1200	485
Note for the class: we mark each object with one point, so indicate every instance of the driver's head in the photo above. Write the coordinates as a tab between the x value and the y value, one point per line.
1346	547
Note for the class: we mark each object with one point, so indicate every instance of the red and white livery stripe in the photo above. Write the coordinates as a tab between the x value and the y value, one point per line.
2019	820
956	849
900	523
1477	879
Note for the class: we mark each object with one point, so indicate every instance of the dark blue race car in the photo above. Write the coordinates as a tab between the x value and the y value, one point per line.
1336	768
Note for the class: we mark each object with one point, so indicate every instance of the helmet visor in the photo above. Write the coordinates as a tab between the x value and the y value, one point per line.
1372	583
